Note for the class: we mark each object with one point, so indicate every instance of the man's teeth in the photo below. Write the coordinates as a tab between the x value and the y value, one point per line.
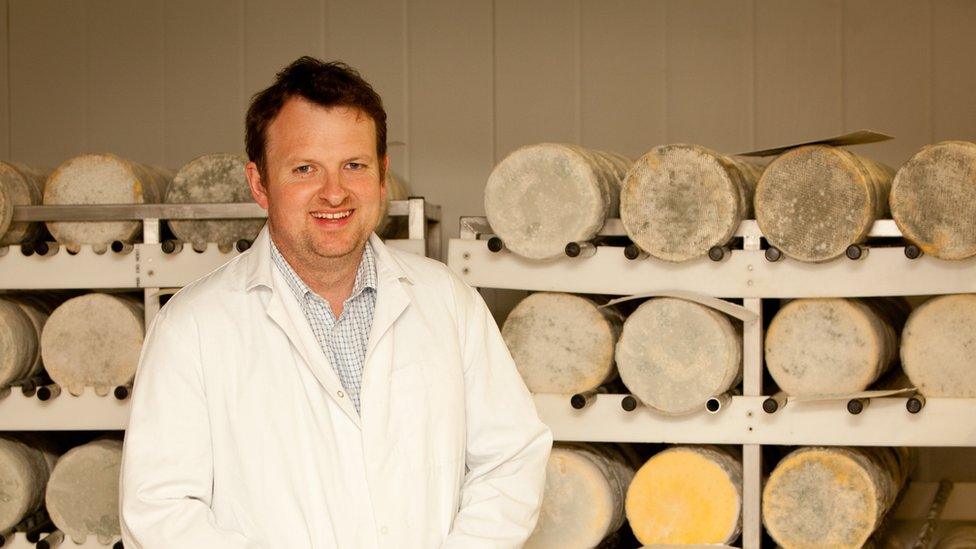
335	215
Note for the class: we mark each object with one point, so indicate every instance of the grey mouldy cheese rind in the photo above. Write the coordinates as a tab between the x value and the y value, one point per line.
542	197
583	498
937	346
18	341
678	201
101	179
833	345
687	495
24	472
19	186
83	492
674	354
933	199
93	340
813	202
208	179
832	497
562	343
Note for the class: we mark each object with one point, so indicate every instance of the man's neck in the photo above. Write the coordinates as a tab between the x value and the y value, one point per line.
332	278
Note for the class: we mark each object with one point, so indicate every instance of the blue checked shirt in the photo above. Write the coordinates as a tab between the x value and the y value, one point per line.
343	340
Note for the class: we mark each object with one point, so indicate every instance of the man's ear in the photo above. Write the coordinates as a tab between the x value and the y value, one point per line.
257	185
386	170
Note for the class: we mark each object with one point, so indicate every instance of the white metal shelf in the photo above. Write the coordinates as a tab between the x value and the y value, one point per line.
66	412
20	542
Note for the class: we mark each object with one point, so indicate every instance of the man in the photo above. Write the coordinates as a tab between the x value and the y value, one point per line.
322	390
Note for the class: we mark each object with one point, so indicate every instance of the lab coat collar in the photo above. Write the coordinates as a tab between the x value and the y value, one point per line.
259	261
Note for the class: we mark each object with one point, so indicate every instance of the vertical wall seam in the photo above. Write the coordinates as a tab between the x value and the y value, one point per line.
405	25
10	87
162	110
930	83
323	29
755	77
841	47
494	83
88	87
667	73
578	47
242	74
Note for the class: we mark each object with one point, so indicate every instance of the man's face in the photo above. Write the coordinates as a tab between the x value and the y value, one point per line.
322	187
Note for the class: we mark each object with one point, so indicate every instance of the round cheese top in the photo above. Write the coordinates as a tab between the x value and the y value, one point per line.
83	491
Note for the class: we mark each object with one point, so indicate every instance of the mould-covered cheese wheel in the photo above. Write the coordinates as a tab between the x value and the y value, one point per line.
37	308
212	178
101	179
391	227
674	354
833	346
678	201
562	343
83	492
93	340
24	471
19	186
542	197
813	202
939	345
583	499
933	199
832	497
18	343
687	495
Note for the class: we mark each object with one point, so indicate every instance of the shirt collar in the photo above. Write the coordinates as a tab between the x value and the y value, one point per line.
365	274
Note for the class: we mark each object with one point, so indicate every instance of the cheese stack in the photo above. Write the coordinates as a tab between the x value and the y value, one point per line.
19	186
687	495
212	178
583	499
933	199
24	472
542	197
562	343
101	179
960	537
937	346
674	354
678	201
83	492
19	343
813	202
832	497
93	340
833	346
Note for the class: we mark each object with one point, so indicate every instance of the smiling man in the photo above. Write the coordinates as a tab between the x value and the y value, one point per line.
322	390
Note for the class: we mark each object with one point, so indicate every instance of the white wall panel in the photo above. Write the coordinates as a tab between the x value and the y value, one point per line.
799	65
203	72
48	72
887	74
124	93
277	33
953	74
622	81
537	78
710	73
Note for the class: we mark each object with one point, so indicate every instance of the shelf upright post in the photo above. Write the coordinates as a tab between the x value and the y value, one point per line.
150	296
752	379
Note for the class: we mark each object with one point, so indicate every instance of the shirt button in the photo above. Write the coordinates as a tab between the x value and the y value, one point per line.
384	530
340	394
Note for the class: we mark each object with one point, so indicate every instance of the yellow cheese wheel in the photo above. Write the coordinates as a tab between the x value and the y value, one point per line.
687	494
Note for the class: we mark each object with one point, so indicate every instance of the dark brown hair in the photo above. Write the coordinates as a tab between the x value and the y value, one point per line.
332	84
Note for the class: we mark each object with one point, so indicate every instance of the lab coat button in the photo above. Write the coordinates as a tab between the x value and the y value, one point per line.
340	394
384	530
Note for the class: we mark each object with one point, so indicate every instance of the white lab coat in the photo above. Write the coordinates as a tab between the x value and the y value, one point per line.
241	436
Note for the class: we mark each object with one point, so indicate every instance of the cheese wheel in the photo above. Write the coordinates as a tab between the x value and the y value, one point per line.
583	498
933	199
960	537
391	227
678	201
18	343
937	346
212	178
19	186
674	354
24	471
562	343
37	309
833	346
813	202
832	497
101	179
687	495
83	492
542	197
93	340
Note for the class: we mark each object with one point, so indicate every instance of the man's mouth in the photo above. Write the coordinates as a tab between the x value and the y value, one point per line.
332	215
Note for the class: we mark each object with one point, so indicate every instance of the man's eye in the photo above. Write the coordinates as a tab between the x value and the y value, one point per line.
303	169
355	166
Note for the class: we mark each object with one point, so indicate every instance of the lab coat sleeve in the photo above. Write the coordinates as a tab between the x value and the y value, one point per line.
167	465
507	445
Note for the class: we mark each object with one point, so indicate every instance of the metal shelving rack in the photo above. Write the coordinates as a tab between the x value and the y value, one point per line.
748	275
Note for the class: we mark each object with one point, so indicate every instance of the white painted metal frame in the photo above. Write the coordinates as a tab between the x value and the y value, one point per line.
746	274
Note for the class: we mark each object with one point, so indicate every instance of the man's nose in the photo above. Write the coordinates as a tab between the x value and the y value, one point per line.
332	190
